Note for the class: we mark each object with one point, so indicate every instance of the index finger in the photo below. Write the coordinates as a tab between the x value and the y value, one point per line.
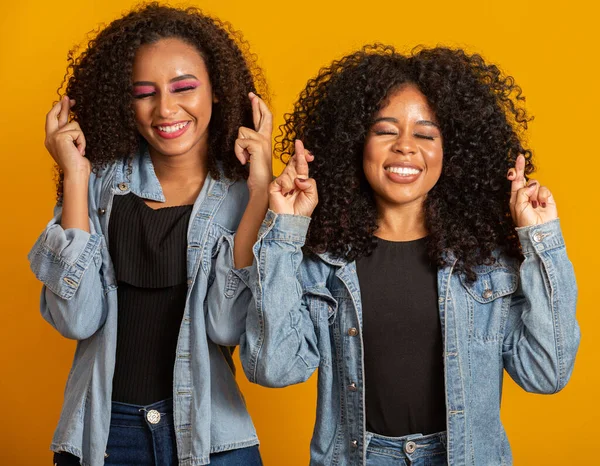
261	115
300	159
518	181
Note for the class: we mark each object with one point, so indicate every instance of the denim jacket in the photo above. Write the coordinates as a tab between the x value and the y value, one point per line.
79	299
307	314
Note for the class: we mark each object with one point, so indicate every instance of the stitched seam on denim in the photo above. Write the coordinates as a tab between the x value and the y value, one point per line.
550	280
249	442
340	431
389	452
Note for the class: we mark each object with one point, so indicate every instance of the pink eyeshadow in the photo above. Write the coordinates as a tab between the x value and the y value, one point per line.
184	84
141	90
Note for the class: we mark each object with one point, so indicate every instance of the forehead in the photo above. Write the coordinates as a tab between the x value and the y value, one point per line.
167	58
407	100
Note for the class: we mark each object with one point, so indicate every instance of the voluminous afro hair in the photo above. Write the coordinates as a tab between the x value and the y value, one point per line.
100	80
482	120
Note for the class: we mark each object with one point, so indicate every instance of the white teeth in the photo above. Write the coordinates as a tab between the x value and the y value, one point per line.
403	171
172	128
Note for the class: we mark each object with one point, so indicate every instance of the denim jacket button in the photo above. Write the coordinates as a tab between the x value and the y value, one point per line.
352	331
122	186
354	443
352	387
538	237
410	447
101	211
487	293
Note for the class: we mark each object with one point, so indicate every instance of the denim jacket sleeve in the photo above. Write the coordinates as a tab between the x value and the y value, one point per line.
542	334
68	263
279	347
228	296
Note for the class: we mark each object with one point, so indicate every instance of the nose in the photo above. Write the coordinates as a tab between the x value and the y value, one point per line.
166	105
405	144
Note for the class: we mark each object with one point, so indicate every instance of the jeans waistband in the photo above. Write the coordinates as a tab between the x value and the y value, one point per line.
154	415
411	446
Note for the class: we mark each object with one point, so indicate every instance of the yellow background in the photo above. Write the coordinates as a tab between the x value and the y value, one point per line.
552	53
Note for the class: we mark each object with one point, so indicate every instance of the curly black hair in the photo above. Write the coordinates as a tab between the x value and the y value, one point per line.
100	80
482	121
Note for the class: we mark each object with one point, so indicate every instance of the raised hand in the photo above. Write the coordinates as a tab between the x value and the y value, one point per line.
65	141
254	146
293	192
530	203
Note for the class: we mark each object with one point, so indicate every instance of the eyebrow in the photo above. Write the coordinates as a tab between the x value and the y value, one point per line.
395	120
174	80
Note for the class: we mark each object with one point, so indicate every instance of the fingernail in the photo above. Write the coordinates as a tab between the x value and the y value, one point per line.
303	180
543	204
532	184
534	204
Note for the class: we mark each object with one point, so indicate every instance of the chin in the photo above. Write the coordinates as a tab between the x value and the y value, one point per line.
172	148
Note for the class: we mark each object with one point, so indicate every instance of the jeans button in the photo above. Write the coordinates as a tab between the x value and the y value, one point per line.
487	294
352	331
352	387
410	447
153	416
354	443
122	186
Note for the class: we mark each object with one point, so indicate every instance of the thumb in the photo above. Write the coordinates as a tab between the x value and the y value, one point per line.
307	185
524	195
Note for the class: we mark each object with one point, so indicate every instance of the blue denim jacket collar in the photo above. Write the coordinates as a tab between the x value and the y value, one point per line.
145	183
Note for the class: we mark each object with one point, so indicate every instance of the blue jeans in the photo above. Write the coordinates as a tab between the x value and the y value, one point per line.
410	450
144	435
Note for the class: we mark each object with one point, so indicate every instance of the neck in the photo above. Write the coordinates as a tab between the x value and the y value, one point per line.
182	169
401	223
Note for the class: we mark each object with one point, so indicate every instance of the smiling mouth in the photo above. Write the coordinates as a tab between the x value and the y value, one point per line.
403	171
171	131
172	128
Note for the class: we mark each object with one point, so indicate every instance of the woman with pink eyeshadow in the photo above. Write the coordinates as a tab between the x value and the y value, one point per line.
152	139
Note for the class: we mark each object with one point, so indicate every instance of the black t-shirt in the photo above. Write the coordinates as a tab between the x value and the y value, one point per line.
404	371
148	249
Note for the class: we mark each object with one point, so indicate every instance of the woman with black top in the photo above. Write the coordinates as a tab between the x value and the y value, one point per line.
139	262
408	269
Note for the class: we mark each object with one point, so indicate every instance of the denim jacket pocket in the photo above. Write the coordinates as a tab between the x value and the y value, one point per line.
323	306
323	310
211	248
488	299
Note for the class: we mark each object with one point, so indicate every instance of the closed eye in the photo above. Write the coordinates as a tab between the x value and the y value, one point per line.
382	132
186	88
425	136
141	96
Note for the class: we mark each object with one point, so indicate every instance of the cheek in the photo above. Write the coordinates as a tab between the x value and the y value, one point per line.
368	164
141	112
201	104
434	164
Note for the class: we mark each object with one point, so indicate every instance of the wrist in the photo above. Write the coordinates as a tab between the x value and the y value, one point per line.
77	176
259	196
